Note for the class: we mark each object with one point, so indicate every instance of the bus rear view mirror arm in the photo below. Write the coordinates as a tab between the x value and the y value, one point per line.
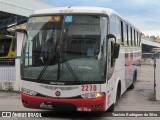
111	36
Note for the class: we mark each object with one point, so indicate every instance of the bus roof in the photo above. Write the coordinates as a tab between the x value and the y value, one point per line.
80	9
76	9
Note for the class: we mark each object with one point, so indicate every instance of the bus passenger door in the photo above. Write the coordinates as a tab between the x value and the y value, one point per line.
110	71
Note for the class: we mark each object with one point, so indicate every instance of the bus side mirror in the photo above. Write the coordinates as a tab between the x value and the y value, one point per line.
116	47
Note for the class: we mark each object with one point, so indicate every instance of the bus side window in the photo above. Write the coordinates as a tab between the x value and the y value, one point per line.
133	43
2	49
126	42
118	31
127	35
113	25
137	38
14	44
122	32
131	38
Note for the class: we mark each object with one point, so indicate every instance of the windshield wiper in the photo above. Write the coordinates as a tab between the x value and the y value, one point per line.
70	69
45	66
60	55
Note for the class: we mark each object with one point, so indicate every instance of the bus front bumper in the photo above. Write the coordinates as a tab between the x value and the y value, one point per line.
37	102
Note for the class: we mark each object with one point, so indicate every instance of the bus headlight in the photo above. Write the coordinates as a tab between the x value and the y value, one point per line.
29	92
93	95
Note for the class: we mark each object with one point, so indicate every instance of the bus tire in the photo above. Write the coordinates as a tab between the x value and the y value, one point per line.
132	86
118	95
134	79
111	108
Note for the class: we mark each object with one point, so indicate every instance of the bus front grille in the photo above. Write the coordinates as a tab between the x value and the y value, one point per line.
61	106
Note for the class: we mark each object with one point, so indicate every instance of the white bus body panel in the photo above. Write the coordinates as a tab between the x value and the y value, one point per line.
66	91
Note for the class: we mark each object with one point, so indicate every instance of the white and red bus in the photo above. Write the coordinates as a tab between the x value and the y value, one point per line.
78	59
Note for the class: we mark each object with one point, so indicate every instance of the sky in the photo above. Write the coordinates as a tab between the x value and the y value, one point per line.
144	14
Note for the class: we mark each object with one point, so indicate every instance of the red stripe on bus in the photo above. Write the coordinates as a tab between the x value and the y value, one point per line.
36	101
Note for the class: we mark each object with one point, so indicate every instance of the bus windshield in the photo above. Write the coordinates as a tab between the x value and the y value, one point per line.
4	47
65	48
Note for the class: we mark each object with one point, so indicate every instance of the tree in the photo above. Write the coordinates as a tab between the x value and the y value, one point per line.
153	37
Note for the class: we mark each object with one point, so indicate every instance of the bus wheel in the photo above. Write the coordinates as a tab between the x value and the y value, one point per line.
118	95
134	79
132	86
111	108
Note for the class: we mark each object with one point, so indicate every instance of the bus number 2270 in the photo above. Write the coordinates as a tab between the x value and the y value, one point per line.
89	87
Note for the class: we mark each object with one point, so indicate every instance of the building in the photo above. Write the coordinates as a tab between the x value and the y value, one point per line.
16	12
